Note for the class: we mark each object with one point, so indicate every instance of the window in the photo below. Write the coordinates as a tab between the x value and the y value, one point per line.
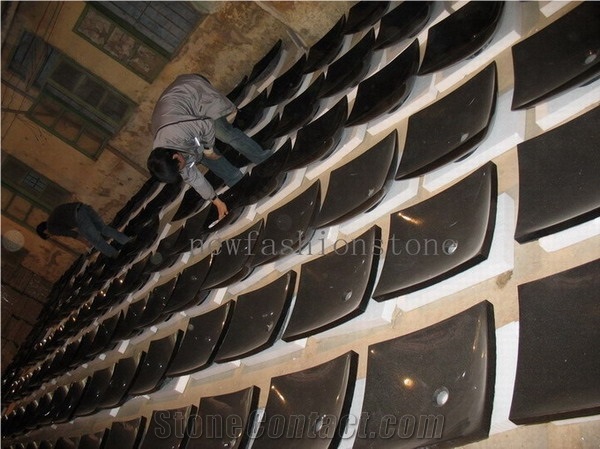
141	35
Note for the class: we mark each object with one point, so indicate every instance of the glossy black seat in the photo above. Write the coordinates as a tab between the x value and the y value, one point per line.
225	420
288	227
267	64
154	364
126	434
200	341
66	410
351	68
168	428
562	55
301	109
402	22
123	374
237	94
327	48
335	287
558	178
460	35
248	116
190	204
93	440
128	324
440	379
559	356
364	14
188	288
257	319
103	338
288	84
440	237
319	138
316	402
95	388
386	90
471	107
156	303
361	183
231	262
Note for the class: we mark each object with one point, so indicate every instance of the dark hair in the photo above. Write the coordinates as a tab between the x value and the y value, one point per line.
162	165
41	230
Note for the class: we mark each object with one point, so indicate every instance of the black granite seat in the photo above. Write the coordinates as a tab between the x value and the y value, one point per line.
66	443
319	138
190	204
200	341
155	305
335	287
154	364
288	227
288	84
434	386
127	326
558	178
386	90
168	428
248	116
404	21
266	136
257	319
83	349
364	14
301	109
188	288
559	356
103	338
95	388
319	396
238	93
148	189
134	278
561	56
361	183
167	194
167	250
231	261
350	68
223	421
460	35
195	230
43	409
327	48
122	377
471	107
93	440
126	434
65	411
440	237
265	67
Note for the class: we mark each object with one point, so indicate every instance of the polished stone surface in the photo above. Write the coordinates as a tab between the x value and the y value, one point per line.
188	288
301	109
257	319
267	64
471	107
66	409
560	56
167	428
190	204
126	434
386	90
432	387
460	35
327	48
318	139
104	334
288	84
122	376
156	303
288	227
96	386
336	287
404	21
440	237
231	261
248	116
351	68
153	364
320	396
361	183
200	340
364	14
558	178
559	357
232	412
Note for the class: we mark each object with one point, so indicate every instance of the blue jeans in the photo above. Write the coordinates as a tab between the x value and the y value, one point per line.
93	229
240	142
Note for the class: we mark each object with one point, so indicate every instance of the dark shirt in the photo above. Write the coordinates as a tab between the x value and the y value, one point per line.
63	220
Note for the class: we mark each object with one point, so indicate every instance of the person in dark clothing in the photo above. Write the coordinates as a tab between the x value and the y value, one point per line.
79	219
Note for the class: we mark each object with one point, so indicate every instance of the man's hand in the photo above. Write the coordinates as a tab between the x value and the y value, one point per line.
221	207
210	154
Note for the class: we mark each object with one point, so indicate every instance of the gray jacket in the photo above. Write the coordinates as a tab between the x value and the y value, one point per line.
183	120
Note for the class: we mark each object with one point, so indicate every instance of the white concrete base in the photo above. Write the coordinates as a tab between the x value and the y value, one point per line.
278	350
571	236
507	130
549	8
172	387
500	260
507	351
